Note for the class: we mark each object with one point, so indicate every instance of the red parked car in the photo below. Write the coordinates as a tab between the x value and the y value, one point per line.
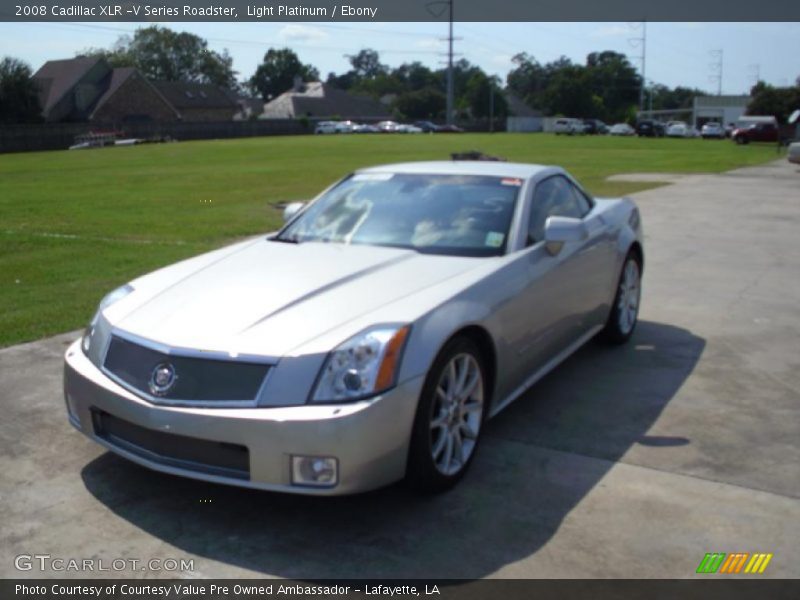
756	132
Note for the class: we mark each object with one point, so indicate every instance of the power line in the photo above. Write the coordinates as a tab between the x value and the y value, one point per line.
241	42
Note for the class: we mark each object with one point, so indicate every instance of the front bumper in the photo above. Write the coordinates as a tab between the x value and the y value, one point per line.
368	438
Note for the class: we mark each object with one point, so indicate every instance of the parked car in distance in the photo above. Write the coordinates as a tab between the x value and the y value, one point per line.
650	128
712	129
365	128
793	155
594	127
755	132
388	126
345	126
450	129
427	126
404	128
566	126
324	127
621	129
369	339
678	129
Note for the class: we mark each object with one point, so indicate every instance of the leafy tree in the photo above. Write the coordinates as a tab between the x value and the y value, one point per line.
665	98
419	91
606	87
378	86
463	70
614	81
19	97
163	54
478	94
366	76
277	72
528	79
778	102
415	76
569	92
428	103
345	81
367	64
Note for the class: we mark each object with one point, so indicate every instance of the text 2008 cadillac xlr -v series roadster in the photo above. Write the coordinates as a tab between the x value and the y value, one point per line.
369	339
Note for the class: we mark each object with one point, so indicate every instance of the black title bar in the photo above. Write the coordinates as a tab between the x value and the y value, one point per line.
401	10
711	588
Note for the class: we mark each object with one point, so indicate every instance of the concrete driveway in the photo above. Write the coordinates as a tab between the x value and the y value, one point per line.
624	462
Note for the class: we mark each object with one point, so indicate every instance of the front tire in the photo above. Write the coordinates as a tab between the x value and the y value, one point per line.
449	418
625	310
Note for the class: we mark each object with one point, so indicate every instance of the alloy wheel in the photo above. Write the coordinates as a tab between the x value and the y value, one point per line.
629	295
457	413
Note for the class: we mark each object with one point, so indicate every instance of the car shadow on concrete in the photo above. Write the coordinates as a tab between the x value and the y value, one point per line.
538	459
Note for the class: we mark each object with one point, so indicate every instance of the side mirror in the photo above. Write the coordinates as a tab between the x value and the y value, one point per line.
558	230
291	210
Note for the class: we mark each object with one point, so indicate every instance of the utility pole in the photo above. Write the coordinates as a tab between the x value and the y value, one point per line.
491	105
716	70
644	63
450	92
641	42
435	9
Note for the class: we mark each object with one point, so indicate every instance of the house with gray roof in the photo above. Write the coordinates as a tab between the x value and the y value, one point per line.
318	100
522	117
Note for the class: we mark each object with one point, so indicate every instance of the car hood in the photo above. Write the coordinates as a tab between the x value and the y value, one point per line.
269	297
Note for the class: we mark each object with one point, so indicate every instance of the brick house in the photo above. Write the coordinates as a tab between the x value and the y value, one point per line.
131	97
198	101
88	89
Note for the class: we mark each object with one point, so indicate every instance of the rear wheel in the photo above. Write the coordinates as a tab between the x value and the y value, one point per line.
449	418
625	311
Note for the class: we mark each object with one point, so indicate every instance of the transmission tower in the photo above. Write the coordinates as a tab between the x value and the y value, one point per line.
755	73
716	69
641	42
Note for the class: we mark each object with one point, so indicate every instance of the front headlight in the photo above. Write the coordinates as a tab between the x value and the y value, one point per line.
363	366
109	299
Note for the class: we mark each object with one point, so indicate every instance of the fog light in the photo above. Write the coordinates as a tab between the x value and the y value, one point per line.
319	471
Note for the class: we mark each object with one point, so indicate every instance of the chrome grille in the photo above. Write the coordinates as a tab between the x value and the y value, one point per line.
197	379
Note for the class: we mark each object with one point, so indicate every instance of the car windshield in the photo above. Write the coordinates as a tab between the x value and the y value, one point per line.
461	215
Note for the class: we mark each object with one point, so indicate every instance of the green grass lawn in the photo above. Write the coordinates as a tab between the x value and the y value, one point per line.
74	225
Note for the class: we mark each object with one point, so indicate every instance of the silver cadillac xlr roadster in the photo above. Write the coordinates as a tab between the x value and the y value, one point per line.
369	339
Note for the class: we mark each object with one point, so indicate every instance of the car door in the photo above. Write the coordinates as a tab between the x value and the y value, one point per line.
569	288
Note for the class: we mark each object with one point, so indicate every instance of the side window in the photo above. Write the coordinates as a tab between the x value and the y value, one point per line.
555	196
584	205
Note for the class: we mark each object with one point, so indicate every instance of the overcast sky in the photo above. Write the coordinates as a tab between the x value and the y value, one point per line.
677	53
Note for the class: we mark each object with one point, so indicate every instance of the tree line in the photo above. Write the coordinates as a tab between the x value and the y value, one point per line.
607	86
